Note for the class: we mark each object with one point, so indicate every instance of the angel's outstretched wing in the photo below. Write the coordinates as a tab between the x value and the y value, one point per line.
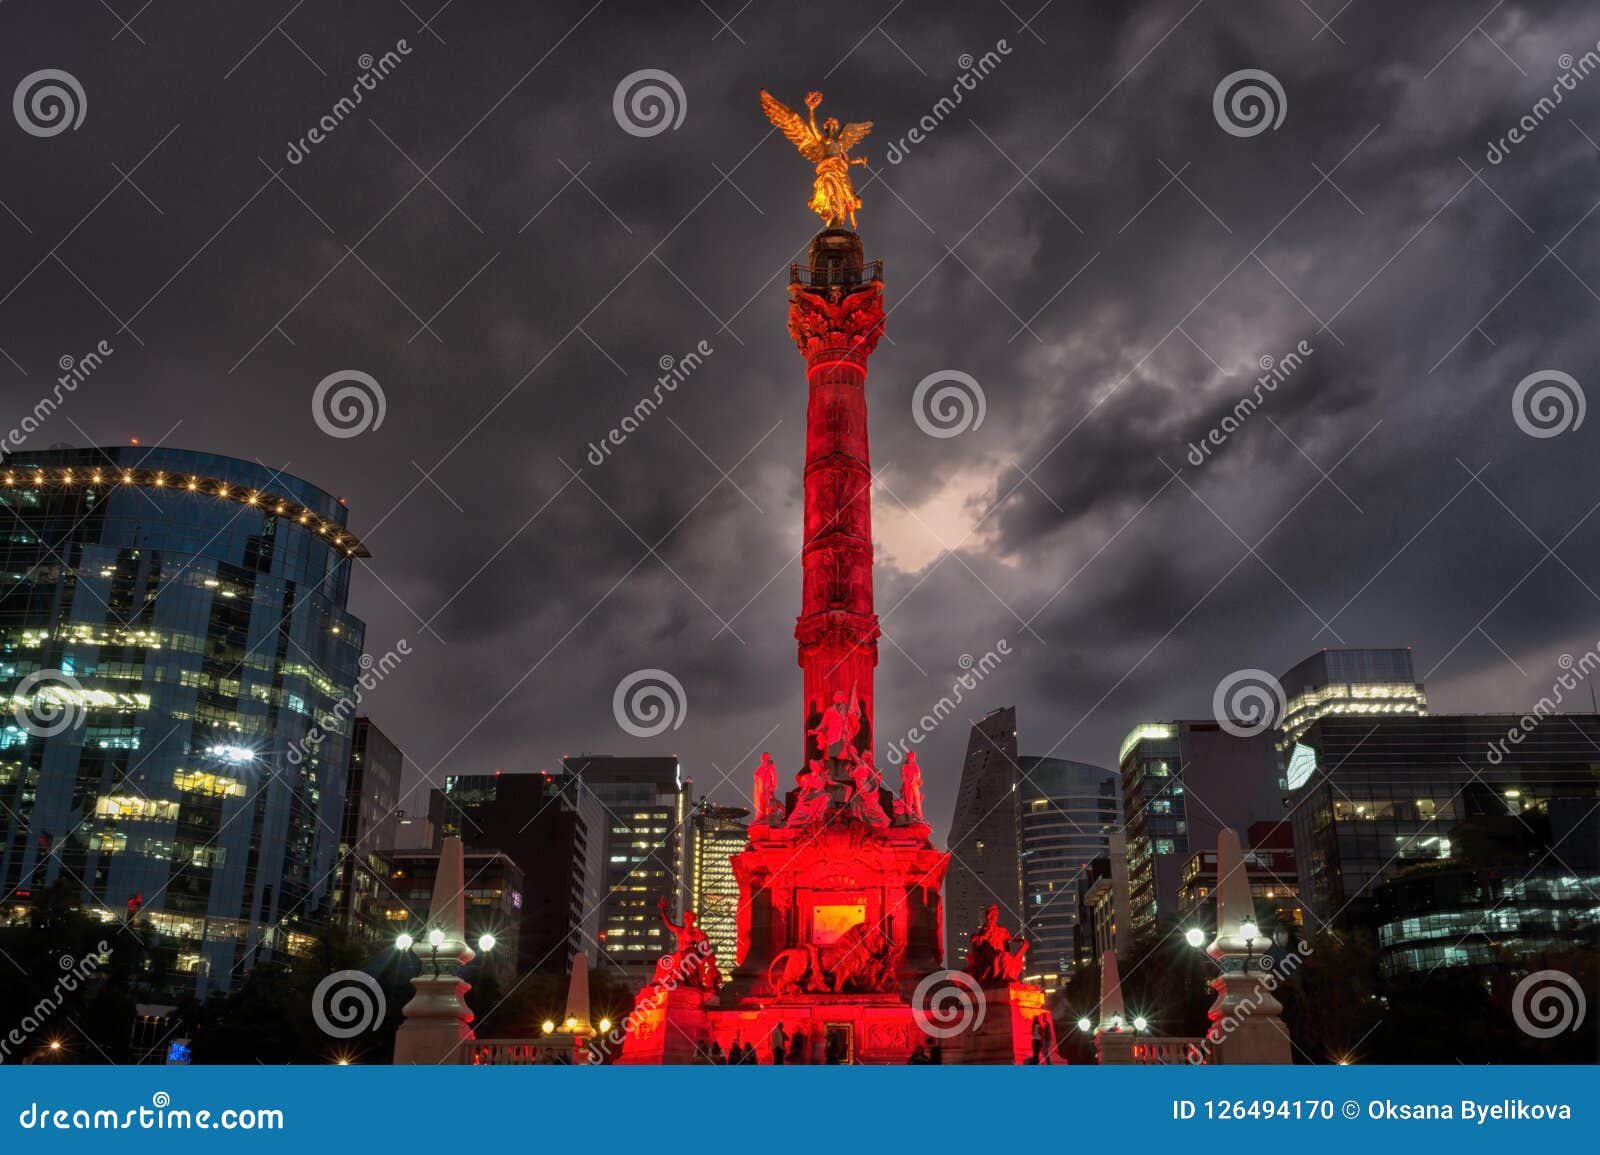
853	134
793	126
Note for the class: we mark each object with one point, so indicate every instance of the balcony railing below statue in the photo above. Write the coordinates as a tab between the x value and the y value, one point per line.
836	273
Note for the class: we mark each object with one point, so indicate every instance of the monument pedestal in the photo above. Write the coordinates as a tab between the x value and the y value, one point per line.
1246	1022
438	1021
666	1025
434	1033
1005	1034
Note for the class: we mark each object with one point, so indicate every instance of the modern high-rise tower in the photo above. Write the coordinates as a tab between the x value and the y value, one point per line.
1379	683
645	801
1068	812
175	644
985	839
720	832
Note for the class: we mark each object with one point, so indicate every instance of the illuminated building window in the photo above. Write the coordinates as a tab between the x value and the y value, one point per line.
135	808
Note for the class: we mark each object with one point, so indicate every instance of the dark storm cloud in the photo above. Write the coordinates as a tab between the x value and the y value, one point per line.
516	304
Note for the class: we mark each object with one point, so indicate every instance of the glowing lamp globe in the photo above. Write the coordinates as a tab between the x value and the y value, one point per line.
1249	930
403	942
548	1026
1139	1023
1084	1024
486	942
1194	936
435	937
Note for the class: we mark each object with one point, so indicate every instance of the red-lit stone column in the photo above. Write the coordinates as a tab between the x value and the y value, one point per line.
836	318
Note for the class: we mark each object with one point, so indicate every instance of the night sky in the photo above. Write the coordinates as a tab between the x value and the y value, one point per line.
1081	236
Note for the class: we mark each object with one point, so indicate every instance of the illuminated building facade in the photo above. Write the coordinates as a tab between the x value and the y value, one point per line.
371	795
1376	683
175	643
1384	794
1182	782
1269	864
1518	892
719	833
1102	903
494	886
985	833
646	854
554	831
1067	812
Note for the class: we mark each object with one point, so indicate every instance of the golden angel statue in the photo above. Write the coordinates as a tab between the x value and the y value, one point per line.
833	198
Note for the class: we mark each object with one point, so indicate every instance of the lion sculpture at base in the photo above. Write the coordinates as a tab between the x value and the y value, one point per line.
861	959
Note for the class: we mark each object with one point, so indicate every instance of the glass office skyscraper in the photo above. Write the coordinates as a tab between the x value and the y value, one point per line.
1374	683
647	837
1379	795
180	667
1068	813
720	832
